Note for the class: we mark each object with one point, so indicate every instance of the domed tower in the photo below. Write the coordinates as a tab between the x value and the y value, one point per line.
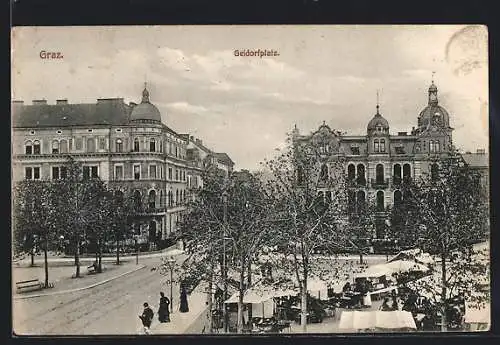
145	112
378	134
433	131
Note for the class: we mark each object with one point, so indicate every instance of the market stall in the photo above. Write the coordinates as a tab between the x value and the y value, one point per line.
376	321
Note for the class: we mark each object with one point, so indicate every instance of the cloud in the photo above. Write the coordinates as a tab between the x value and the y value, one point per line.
187	108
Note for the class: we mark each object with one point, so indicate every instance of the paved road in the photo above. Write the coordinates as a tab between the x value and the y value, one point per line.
111	308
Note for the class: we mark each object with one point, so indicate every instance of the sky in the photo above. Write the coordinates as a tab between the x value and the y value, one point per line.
245	106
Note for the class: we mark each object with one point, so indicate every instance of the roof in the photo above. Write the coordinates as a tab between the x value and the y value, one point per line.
378	120
105	112
478	160
145	111
224	158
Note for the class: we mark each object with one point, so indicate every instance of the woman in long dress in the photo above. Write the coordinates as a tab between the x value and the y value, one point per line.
163	310
184	308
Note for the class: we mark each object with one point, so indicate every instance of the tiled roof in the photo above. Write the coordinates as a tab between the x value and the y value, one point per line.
104	112
476	159
224	158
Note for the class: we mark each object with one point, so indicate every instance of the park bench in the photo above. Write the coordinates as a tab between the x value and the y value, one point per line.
31	285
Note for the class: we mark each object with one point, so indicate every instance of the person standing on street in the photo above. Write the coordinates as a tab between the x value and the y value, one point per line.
184	308
147	318
163	310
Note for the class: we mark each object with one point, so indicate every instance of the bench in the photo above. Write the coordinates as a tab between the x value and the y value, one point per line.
32	285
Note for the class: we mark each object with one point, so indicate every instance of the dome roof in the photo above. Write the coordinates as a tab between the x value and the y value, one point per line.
145	110
378	120
434	114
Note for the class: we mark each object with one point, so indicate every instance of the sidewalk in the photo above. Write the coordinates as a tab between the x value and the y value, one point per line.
191	322
62	279
62	261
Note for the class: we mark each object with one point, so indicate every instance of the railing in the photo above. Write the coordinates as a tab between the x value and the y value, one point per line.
379	183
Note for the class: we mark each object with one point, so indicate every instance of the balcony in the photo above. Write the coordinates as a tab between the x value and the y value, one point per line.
380	183
358	182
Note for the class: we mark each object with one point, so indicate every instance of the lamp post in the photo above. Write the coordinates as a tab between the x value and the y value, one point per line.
61	243
171	264
136	240
224	268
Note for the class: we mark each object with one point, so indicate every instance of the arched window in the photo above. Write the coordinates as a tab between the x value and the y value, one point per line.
398	197
136	145
137	200
382	145
431	146
434	171
170	198
162	202
152	145
376	145
379	173
28	147
161	145
36	147
91	145
361	179
119	145
55	146
63	146
406	171
176	196
436	146
396	175
380	201
360	200
324	173
351	172
152	199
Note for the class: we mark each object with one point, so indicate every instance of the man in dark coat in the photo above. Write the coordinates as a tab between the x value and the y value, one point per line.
184	308
163	310
146	317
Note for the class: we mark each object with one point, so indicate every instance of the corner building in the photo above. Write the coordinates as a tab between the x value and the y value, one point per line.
379	162
126	145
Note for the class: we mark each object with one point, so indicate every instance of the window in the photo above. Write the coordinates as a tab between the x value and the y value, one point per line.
64	172
380	200
55	173
417	148
152	199
152	145
170	173
63	146
86	173
376	147
152	171
119	145
176	196
90	172
55	146
32	173
78	143
361	179
397	174
406	171
379	170
94	171
398	197
176	175
170	148
137	200
324	173
36	147
118	172
136	145
28	148
400	150
431	146
355	150
161	145
137	171
382	145
102	143
351	172
90	145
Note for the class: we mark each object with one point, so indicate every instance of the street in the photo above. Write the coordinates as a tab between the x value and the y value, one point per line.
111	308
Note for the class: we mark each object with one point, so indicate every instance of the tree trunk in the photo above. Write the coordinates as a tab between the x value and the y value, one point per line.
443	293
46	262
360	257
249	284
77	258
99	246
117	249
240	300
32	253
303	307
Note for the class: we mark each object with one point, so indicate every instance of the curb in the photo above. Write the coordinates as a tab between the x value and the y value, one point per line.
82	288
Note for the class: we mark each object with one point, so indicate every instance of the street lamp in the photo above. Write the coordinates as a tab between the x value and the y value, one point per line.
171	264
61	244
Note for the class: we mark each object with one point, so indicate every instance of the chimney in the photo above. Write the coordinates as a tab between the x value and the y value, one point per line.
61	101
481	151
39	101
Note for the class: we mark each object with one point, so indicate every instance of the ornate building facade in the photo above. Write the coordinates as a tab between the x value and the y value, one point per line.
378	162
126	145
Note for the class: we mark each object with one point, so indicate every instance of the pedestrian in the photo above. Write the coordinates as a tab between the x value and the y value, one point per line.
163	310
147	318
184	308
